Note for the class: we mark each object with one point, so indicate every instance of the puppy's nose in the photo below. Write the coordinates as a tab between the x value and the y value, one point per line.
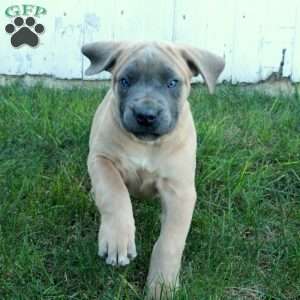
145	116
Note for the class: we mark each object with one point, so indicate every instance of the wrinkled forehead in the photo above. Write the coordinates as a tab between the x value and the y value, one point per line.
150	61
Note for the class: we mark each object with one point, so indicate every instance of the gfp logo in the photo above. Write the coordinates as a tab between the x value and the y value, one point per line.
24	28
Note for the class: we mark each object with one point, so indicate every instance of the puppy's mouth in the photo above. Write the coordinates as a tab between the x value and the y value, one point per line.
145	127
149	135
146	136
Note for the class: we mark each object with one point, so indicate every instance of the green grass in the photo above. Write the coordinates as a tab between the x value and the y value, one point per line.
244	241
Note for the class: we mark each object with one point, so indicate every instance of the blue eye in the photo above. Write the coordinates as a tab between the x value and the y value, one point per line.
172	83
124	83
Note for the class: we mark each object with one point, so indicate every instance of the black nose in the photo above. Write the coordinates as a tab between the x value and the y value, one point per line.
145	116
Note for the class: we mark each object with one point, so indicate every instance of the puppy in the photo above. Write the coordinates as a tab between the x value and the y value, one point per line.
143	142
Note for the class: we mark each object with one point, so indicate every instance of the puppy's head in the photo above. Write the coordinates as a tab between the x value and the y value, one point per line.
151	81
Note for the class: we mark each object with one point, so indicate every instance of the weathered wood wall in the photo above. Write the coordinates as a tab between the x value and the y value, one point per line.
257	37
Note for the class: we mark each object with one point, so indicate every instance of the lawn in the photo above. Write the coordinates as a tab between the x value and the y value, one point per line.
244	241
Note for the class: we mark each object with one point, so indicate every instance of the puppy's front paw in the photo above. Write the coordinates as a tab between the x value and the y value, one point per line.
116	241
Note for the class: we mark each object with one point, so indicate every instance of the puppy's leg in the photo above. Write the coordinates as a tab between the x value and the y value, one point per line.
117	230
177	207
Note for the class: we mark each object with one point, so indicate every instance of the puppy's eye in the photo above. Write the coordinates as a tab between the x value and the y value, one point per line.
172	83
124	83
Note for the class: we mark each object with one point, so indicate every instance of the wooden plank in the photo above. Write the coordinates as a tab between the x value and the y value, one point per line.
278	34
24	59
296	47
220	32
208	25
68	39
98	26
143	20
190	22
247	40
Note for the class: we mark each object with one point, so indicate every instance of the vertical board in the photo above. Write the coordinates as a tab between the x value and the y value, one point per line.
98	26
143	20
26	60
58	51
247	40
220	32
296	47
278	34
208	25
190	24
68	40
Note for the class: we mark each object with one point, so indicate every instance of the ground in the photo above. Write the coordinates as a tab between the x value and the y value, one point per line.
244	241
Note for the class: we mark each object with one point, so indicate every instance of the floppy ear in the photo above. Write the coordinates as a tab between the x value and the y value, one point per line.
209	65
102	56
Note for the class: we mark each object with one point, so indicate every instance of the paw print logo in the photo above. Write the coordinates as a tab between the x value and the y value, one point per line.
24	33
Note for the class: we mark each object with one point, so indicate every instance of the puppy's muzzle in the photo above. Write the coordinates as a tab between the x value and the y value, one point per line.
146	116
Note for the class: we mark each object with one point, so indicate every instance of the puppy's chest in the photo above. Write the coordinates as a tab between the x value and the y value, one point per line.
140	173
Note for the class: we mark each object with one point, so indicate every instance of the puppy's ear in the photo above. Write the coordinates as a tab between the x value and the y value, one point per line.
209	65
102	55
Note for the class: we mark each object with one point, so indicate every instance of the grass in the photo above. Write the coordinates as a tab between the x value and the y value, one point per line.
244	241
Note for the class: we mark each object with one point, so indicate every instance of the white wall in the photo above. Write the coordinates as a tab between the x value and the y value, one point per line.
250	34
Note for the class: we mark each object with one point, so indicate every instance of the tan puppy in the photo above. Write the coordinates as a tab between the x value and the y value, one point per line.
143	141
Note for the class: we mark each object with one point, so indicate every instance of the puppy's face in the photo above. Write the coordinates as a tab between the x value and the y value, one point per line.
150	82
150	88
